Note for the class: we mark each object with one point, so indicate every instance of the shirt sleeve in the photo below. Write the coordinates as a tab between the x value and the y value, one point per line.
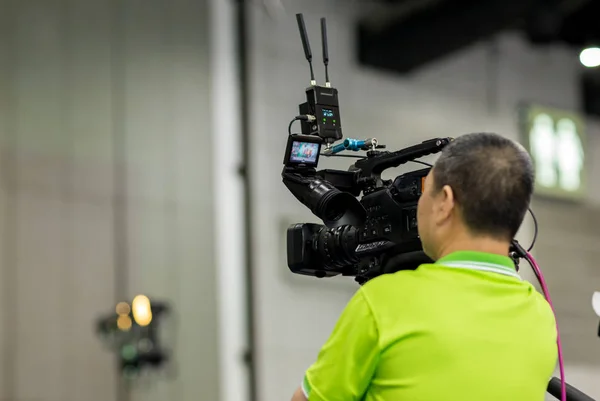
347	361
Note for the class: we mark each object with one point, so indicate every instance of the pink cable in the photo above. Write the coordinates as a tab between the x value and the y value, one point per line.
561	365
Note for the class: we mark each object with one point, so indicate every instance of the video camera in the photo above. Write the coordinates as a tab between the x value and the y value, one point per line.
363	238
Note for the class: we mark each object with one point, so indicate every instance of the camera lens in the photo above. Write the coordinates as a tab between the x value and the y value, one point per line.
336	246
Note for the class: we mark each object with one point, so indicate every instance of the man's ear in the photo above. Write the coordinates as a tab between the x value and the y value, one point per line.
445	204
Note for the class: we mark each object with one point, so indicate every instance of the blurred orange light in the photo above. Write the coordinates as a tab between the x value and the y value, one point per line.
124	323
123	308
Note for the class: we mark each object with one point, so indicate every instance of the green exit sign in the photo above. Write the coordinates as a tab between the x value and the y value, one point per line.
556	141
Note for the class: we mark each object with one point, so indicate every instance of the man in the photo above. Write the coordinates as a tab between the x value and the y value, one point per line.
465	328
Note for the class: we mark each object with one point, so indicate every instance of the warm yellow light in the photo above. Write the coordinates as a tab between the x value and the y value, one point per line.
124	322
142	313
123	308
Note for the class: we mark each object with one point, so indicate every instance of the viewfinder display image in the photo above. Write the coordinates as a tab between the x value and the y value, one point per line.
304	152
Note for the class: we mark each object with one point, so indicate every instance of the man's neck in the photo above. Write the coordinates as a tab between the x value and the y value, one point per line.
477	244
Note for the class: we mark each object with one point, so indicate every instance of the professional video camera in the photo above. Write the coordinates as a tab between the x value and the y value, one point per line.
362	238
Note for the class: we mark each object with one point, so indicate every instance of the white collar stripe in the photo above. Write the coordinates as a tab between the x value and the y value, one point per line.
485	264
489	267
475	263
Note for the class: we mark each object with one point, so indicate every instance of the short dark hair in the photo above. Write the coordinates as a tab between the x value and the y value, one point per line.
492	178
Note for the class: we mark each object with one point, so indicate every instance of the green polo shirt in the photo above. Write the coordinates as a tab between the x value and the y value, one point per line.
466	328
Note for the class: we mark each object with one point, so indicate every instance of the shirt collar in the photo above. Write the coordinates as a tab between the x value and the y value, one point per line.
480	261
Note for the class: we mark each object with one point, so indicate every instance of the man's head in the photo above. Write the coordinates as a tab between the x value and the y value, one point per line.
479	189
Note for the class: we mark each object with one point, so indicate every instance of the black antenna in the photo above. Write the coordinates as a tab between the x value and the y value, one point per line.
325	50
306	45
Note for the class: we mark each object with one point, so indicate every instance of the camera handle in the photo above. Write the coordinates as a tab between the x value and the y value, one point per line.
374	165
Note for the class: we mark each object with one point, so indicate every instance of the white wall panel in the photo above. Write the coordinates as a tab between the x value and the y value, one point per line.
75	73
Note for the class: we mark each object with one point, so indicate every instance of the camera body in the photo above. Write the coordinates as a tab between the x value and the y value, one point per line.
362	238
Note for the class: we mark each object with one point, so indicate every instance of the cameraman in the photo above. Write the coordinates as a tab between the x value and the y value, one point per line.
464	328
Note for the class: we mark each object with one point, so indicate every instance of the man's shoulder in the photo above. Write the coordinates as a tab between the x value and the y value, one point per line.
399	284
402	274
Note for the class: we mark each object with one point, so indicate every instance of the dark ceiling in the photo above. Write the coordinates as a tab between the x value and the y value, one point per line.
415	33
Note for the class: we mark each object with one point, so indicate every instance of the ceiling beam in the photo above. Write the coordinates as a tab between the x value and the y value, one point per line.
436	32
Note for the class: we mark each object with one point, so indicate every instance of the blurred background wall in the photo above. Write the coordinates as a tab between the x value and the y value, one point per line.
106	164
120	149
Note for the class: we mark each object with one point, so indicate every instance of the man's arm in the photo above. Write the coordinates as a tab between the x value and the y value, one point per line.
347	362
299	395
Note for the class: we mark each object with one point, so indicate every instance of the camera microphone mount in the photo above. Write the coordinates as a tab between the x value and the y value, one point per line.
354	145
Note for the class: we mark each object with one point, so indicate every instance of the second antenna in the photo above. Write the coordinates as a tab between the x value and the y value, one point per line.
325	50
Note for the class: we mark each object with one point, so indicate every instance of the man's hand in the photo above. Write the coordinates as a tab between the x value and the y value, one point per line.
299	395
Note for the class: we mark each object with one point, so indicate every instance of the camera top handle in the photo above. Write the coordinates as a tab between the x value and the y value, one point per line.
379	161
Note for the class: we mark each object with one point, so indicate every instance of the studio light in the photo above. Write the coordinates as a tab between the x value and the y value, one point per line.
590	57
133	334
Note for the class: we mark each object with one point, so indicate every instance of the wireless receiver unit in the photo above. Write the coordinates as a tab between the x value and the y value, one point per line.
321	101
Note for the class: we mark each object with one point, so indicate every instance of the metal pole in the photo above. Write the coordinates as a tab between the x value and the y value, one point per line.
8	163
120	227
244	82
